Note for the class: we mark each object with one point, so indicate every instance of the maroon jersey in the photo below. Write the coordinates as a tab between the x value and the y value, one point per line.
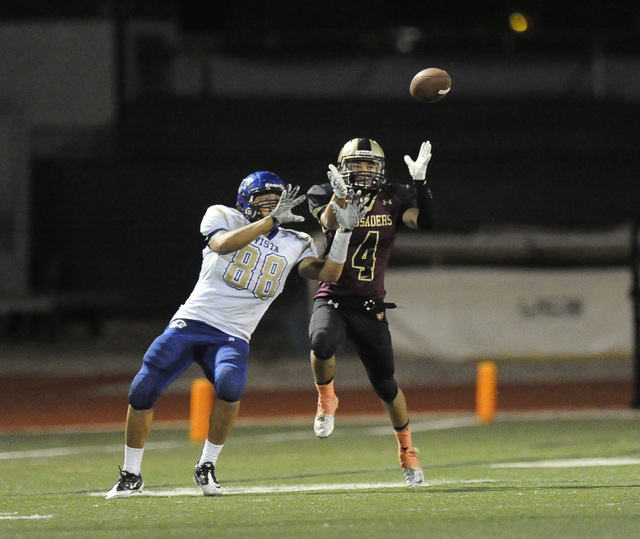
371	241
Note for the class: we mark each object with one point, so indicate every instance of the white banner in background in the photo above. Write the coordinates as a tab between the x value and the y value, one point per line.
464	314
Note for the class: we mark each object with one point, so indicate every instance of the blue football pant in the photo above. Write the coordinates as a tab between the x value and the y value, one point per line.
223	360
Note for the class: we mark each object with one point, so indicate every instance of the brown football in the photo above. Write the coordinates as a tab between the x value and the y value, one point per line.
430	85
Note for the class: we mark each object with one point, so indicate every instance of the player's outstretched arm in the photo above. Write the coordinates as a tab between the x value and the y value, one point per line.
349	216
329	269
418	168
289	199
340	192
228	241
422	216
340	189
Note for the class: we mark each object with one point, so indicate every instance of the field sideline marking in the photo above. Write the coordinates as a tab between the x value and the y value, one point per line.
418	426
285	489
16	516
571	463
306	434
434	424
65	451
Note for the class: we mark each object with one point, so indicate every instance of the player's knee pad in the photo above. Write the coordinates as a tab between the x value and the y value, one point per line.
229	383
385	388
144	392
323	344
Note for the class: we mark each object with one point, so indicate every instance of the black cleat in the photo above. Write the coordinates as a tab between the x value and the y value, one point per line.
205	477
128	484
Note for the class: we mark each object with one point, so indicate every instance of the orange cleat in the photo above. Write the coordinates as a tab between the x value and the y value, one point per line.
408	457
324	422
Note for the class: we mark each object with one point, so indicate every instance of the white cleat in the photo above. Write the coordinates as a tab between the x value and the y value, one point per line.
204	476
323	425
128	484
413	478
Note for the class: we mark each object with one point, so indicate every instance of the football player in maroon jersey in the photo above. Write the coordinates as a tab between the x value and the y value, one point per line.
354	306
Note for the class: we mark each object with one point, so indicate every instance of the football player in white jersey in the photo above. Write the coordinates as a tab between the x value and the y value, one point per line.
245	264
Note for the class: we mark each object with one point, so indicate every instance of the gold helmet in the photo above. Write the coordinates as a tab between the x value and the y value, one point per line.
359	150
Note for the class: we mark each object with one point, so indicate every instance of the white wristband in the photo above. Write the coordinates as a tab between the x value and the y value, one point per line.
338	251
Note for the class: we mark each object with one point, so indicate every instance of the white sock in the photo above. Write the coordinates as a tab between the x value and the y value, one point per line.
210	452
132	459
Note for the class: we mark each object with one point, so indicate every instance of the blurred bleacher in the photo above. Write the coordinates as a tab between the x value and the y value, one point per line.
535	149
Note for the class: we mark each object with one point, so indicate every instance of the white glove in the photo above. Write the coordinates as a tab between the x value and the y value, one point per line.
349	217
337	182
418	168
288	200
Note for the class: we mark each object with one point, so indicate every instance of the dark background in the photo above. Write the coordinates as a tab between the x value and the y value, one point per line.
125	217
243	26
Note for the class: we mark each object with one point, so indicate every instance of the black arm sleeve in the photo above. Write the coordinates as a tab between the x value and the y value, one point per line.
425	205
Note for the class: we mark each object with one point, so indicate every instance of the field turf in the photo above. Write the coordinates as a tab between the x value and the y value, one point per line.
524	475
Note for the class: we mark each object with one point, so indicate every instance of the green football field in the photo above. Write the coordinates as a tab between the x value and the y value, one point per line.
553	475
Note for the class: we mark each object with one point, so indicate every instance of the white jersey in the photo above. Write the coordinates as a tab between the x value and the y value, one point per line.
234	290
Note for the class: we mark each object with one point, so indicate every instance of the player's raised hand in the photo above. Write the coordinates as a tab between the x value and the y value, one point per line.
349	217
289	199
418	168
337	182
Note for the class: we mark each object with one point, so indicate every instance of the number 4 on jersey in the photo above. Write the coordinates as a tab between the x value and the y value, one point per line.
364	259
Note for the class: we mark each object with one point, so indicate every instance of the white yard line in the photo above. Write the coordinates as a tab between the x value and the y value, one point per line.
65	451
16	516
284	489
306	434
571	463
420	424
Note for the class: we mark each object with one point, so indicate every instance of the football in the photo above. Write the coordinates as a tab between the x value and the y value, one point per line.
430	85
